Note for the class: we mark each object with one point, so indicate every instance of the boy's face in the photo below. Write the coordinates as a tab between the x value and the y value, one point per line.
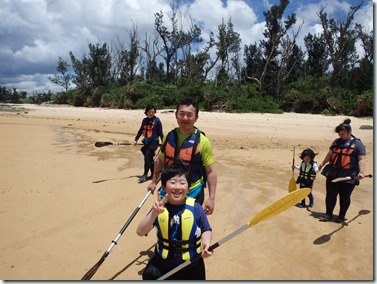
176	189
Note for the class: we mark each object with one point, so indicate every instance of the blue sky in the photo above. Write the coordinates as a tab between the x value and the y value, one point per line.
35	33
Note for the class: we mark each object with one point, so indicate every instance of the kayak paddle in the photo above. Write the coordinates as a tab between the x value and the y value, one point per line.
292	182
275	208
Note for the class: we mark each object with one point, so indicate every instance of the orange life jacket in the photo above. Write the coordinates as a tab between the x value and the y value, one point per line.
342	154
189	152
148	129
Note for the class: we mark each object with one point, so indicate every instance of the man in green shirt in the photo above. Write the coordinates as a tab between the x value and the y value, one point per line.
189	144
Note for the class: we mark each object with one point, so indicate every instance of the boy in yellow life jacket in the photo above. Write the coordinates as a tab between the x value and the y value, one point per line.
183	230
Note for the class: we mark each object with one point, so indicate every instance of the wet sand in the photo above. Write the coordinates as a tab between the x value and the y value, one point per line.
63	200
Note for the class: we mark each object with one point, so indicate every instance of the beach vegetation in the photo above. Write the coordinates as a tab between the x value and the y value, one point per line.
332	73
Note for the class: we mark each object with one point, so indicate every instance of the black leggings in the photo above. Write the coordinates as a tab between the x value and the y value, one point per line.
307	183
156	268
149	152
332	190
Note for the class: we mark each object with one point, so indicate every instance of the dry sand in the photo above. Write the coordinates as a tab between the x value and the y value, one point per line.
63	200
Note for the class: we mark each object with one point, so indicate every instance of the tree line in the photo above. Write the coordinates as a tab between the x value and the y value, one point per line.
273	75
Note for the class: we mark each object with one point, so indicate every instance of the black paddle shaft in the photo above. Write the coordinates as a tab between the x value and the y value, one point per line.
94	269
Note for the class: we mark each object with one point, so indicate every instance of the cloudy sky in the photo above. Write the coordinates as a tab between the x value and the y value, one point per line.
35	33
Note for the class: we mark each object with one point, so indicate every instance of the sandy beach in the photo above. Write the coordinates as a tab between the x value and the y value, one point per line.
63	200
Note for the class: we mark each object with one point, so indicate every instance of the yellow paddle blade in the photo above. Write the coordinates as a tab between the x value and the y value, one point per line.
292	182
275	208
280	205
292	185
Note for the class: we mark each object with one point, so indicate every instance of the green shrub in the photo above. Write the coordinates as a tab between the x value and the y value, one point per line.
364	104
64	98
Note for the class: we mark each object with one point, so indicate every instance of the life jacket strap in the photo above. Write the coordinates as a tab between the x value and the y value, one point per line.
175	246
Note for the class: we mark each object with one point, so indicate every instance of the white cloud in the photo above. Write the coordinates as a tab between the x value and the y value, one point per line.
33	83
34	33
38	52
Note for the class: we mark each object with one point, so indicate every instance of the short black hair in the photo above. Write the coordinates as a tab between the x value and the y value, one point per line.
345	126
148	108
187	102
308	152
177	168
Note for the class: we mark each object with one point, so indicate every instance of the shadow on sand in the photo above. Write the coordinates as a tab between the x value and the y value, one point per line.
149	253
109	179
325	238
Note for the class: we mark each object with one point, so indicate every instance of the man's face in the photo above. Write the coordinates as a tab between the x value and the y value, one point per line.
186	117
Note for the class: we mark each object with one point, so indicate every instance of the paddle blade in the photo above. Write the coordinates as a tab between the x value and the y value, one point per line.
275	208
292	182
292	185
101	144
280	205
341	179
349	178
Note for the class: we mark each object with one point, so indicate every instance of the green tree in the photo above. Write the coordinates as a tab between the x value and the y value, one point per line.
197	67
362	75
317	62
173	41
63	78
227	48
81	72
276	28
254	61
93	70
129	58
4	94
150	51
290	61
340	41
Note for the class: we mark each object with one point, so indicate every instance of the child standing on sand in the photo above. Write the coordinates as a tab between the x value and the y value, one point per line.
308	171
182	228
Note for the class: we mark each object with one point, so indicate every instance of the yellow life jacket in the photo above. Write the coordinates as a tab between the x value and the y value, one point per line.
307	171
189	243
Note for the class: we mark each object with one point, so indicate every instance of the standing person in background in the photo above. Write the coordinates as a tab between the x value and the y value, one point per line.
183	230
151	129
308	171
346	157
191	145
